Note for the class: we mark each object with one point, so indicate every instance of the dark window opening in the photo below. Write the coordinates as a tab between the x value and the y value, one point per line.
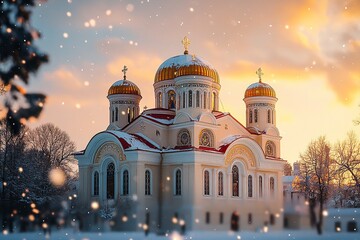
235	181
272	219
96	184
178	182
126	182
351	226
337	226
250	219
110	181
207	218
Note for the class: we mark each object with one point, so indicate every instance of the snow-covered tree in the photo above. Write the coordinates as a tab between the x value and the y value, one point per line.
317	170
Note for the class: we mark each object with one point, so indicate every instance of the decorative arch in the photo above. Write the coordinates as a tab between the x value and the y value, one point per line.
184	138
109	149
206	138
182	117
240	152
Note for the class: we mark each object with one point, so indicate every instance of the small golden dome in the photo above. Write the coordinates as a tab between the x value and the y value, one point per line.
260	89
124	87
183	65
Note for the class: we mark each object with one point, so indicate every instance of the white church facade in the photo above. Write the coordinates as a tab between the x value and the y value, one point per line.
184	162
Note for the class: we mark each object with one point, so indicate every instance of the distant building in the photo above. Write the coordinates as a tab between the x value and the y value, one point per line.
342	220
296	168
184	162
296	208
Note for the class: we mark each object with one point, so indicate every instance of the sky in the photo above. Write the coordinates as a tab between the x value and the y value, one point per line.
309	51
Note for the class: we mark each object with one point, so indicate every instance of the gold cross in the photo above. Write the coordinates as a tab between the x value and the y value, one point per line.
259	72
124	71
186	43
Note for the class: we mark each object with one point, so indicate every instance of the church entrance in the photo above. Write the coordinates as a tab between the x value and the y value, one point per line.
234	223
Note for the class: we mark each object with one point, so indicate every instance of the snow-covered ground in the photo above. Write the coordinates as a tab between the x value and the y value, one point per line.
71	235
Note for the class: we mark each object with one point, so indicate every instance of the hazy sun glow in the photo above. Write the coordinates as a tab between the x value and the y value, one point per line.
308	49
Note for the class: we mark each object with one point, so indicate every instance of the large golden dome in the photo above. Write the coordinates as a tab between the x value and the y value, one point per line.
260	89
124	87
183	65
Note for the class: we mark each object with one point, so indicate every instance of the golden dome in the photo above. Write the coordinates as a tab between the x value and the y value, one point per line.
260	89
124	87
183	65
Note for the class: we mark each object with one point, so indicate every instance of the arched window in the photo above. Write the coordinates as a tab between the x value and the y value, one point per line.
112	115
116	114
255	115
147	182
159	99
235	181
250	187
204	100
250	116
96	184
128	113
221	184
171	99
110	181
183	138
272	186
206	138
178	182
260	186
209	97
190	98
197	99
184	100
178	102
268	116
214	101
206	182
126	182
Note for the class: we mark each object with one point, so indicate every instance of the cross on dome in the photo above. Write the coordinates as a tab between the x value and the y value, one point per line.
186	42
259	72
124	70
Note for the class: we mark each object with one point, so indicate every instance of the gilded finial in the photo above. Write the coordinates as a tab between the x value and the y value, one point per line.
186	43
124	70
259	72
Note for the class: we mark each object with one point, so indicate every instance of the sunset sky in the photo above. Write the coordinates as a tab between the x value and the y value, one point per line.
309	51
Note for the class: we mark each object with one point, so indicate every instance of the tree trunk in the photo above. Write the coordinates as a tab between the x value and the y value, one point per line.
320	223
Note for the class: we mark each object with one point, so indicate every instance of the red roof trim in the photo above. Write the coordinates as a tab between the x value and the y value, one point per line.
154	120
145	141
161	116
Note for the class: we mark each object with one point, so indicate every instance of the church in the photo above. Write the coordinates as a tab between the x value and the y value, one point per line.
184	163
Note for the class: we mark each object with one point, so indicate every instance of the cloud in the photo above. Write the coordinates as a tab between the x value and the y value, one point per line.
63	79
